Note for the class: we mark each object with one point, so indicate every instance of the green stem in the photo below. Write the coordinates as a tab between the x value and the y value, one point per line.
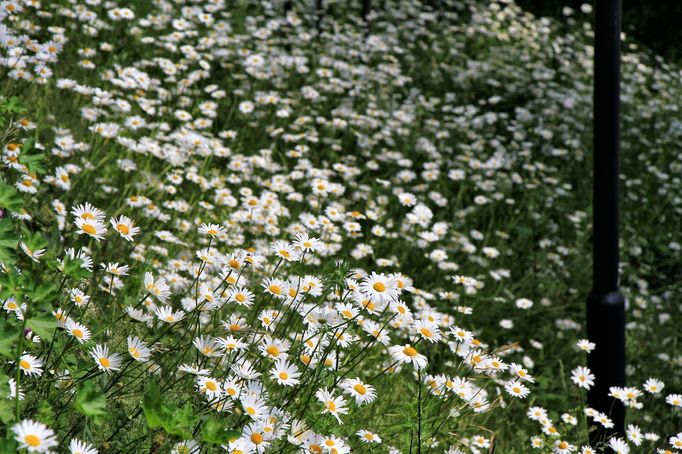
17	376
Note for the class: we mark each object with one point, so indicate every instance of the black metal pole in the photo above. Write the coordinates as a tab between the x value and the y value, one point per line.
605	304
319	12
366	7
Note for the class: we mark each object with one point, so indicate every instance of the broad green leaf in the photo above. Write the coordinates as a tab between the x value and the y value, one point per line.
7	338
173	420
8	242
214	431
43	326
34	240
73	269
90	400
4	385
183	422
44	293
155	412
9	198
11	105
45	413
32	158
6	415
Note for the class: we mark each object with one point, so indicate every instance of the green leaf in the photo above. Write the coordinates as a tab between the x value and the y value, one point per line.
154	411
173	420
33	240
4	385
73	269
90	400
9	198
10	286
45	413
44	293
7	338
32	158
8	242
11	105
6	414
43	326
214	431
183	422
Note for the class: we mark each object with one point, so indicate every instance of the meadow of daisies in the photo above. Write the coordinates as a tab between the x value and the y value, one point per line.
247	226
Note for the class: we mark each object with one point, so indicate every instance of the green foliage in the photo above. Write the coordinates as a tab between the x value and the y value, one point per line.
169	417
34	240
11	105
9	198
6	405
215	431
90	400
45	413
8	242
6	411
44	327
8	445
10	286
335	274
32	158
8	335
73	269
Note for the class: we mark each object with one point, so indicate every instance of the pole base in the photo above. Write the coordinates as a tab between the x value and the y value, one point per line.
606	328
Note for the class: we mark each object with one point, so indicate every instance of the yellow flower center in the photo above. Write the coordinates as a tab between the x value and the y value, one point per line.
426	332
410	351
78	333
256	438
360	388
211	386
24	364
272	350
89	229
240	297
122	228
32	440
331	405
104	362
379	287
276	289
283	375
